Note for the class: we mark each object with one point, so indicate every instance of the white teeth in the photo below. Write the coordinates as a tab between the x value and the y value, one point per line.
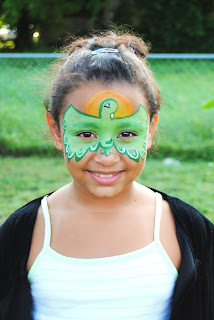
104	175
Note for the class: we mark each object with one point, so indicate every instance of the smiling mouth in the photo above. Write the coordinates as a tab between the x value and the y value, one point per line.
105	178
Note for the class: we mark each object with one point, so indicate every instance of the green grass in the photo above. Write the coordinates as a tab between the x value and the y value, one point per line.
23	179
186	129
22	115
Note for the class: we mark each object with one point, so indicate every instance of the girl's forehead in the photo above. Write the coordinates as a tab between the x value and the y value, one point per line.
92	95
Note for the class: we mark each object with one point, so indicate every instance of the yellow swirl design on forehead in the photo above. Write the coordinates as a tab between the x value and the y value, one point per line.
124	106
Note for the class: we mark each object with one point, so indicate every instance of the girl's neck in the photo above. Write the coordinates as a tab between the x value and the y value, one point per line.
85	199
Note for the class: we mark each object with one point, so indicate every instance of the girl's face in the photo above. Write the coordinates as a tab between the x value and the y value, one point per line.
105	133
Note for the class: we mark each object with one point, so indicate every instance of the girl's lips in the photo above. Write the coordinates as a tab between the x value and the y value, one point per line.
105	180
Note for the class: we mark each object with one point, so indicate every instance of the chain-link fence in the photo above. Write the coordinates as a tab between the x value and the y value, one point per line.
186	83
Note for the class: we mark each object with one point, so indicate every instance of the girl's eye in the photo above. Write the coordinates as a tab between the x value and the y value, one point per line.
86	134
126	134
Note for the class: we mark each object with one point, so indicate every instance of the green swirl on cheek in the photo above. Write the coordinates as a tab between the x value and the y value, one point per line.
106	128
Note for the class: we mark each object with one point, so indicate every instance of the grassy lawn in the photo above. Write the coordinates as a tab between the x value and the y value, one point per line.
186	130
21	111
23	179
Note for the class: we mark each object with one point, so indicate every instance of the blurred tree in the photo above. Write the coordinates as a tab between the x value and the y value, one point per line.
170	25
16	13
51	18
56	20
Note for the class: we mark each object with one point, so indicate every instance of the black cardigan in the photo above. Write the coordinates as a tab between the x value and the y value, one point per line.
193	297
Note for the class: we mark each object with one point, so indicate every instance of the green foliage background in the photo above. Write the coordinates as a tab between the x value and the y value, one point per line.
170	25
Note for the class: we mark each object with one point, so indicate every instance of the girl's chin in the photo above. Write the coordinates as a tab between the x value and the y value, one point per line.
109	192
105	193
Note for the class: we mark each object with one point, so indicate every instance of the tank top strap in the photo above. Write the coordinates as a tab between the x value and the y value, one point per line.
158	213
47	237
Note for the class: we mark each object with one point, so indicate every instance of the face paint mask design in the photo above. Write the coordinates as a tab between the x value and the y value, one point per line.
109	122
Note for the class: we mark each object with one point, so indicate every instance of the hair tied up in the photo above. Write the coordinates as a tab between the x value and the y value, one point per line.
107	58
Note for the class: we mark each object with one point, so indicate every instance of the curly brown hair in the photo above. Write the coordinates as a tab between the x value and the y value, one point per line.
80	66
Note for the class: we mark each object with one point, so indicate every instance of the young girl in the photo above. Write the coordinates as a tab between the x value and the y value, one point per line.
104	246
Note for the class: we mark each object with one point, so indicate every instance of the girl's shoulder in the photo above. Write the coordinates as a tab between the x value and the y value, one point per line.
183	211
21	216
18	229
15	239
191	223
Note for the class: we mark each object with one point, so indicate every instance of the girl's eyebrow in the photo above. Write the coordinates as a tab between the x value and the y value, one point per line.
133	124
82	124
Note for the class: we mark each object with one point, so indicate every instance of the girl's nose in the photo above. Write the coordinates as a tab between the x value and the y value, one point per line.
107	157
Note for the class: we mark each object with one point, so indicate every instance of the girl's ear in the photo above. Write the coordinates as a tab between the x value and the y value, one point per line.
54	130
152	129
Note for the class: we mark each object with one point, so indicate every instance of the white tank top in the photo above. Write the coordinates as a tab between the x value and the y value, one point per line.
134	285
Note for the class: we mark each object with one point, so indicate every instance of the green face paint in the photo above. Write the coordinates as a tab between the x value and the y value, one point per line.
105	123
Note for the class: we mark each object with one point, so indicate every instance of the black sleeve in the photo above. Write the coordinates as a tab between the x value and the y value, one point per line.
15	241
7	250
200	234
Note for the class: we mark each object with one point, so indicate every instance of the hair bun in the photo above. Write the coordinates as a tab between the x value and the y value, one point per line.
109	39
136	45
